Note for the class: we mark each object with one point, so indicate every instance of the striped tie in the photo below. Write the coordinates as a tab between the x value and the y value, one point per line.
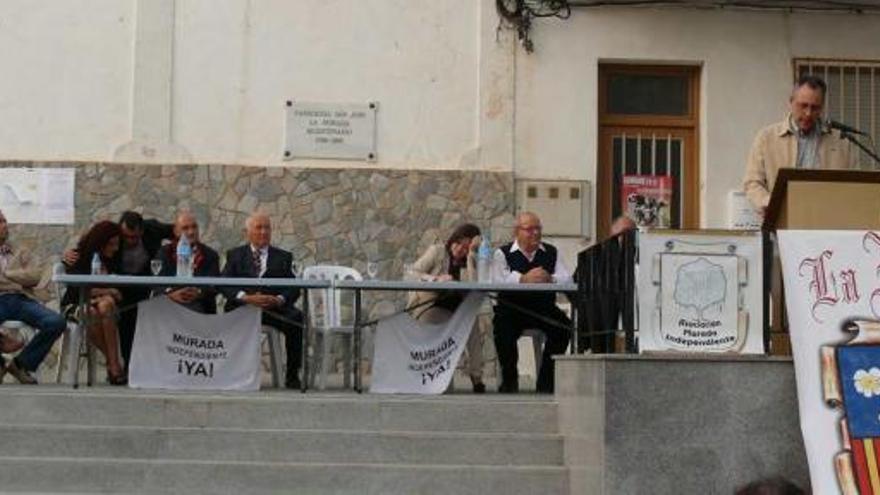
258	265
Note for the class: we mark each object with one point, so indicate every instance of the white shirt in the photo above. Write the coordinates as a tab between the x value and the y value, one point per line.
501	272
264	257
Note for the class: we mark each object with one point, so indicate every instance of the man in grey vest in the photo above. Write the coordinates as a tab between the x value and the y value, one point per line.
528	260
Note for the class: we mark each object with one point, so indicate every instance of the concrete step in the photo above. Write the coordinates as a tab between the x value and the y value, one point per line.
106	406
298	446
56	475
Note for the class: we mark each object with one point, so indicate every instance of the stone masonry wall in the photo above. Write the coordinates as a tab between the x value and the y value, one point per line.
324	216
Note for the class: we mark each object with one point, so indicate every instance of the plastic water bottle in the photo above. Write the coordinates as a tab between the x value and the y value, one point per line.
96	264
184	257
484	261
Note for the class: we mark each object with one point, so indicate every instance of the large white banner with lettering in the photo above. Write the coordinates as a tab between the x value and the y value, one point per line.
832	292
177	348
411	357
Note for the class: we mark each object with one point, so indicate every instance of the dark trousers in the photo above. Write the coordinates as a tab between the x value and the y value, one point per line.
49	324
508	327
292	330
127	322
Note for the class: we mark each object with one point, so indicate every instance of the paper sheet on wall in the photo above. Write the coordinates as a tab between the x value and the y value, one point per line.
741	214
37	195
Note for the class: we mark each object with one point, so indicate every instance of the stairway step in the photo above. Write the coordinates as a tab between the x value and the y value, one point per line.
267	445
278	410
56	475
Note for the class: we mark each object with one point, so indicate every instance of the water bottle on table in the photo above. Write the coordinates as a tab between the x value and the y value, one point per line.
184	257
97	267
484	261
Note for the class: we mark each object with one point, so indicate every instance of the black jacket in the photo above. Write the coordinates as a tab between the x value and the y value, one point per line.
240	263
154	233
208	267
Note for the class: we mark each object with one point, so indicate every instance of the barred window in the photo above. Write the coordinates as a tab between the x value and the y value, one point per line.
853	94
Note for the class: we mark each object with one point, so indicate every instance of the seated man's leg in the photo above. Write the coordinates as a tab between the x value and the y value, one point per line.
507	329
556	342
9	310
292	330
49	324
127	323
126	327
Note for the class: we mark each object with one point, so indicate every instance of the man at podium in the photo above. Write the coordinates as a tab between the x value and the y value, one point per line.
801	140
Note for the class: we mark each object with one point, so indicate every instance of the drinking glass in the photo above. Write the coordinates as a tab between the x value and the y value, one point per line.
372	269
155	266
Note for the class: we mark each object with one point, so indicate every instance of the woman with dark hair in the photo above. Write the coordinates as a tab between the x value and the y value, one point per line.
453	260
102	239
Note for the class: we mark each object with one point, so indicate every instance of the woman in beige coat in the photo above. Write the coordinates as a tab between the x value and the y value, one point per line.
453	260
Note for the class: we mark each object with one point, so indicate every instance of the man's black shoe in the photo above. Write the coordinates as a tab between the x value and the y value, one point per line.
293	383
508	388
20	373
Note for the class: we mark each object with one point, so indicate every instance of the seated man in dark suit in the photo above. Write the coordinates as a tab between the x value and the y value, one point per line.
259	259
206	263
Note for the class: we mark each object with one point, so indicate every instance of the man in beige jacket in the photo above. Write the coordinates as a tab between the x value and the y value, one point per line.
801	140
18	301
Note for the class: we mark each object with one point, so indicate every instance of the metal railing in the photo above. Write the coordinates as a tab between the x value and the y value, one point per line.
606	298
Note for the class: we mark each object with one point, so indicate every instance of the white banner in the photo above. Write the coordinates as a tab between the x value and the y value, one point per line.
177	348
411	357
832	294
700	292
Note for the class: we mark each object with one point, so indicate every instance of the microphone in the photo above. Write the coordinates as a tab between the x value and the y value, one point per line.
843	127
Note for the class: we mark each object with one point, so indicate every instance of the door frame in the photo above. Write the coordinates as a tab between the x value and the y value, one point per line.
685	126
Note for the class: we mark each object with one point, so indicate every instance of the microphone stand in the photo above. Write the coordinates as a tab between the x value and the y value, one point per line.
849	137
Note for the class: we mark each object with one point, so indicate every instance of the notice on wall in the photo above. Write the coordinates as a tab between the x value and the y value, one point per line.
341	131
741	214
647	199
37	195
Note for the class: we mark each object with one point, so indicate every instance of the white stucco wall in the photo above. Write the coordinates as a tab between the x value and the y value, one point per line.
746	59
65	91
68	83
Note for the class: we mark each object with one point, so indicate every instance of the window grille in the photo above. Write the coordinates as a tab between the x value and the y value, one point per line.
853	93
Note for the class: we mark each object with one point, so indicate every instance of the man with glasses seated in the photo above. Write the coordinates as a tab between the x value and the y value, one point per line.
528	260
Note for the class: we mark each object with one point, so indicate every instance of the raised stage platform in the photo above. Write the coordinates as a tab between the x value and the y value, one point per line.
682	424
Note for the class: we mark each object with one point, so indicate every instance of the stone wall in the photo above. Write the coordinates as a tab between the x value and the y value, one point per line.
324	216
342	216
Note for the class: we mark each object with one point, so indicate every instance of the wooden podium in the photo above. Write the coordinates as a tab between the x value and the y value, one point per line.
812	200
824	200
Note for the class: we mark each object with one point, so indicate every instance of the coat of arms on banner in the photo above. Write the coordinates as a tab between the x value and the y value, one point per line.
851	382
699	302
700	292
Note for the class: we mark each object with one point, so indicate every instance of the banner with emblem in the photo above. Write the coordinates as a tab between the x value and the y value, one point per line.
177	348
832	295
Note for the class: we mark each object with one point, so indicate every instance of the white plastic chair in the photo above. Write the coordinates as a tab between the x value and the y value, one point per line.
74	344
275	359
538	338
273	342
325	312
